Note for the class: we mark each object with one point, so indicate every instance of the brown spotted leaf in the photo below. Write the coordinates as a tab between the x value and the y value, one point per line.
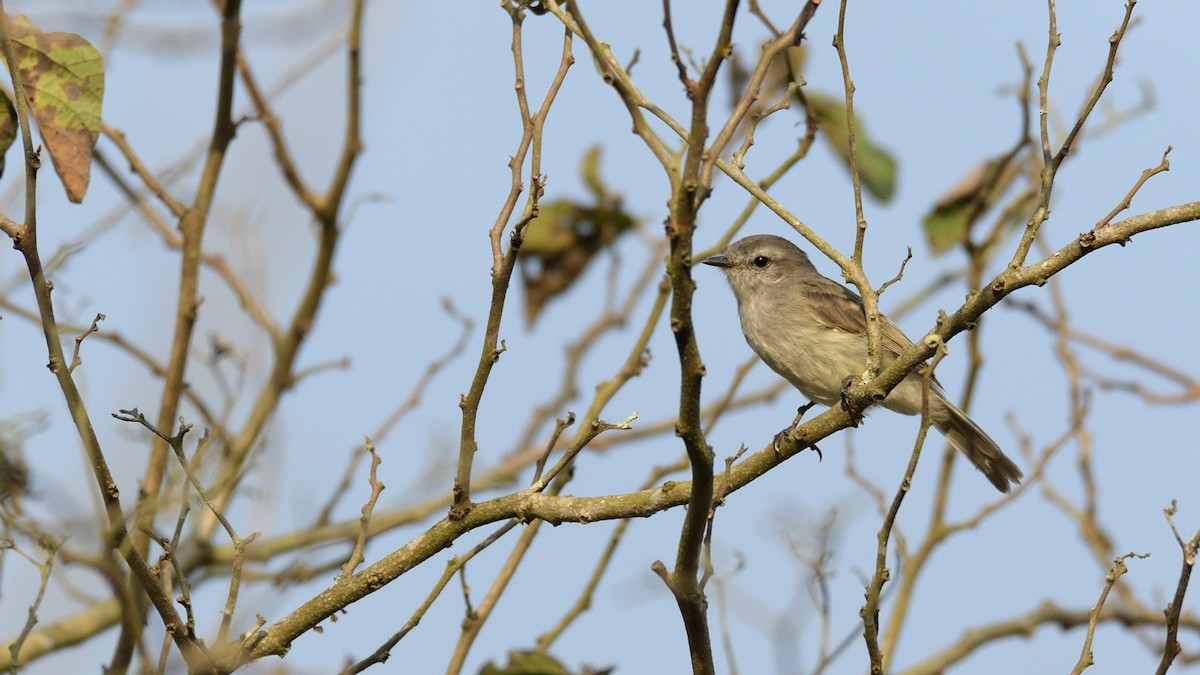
560	244
64	81
567	235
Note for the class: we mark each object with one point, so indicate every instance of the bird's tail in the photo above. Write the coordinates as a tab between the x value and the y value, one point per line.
978	447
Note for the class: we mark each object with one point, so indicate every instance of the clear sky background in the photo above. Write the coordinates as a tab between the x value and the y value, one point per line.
934	85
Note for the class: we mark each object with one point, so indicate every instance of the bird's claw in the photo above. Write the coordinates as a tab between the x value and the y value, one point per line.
779	438
856	417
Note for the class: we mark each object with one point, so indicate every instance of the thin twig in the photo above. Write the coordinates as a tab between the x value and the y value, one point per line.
1086	657
1174	610
410	403
176	443
1125	203
870	610
1045	614
504	262
453	565
1051	163
136	165
739	155
356	555
75	360
899	274
559	426
1122	353
595	429
669	29
44	569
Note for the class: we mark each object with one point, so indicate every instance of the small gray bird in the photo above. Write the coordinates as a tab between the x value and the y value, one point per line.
812	331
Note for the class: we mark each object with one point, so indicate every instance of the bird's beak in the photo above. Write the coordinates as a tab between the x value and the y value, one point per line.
718	261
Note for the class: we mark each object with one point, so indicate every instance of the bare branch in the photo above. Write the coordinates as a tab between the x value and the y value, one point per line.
1174	610
1118	570
503	263
1164	165
356	555
75	360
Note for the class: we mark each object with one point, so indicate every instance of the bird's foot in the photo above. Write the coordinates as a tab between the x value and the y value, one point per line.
856	417
801	411
786	432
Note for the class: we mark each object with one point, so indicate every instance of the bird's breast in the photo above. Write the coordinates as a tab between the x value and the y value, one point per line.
812	357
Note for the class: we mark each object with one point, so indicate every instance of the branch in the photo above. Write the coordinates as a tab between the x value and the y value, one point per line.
1118	570
1051	164
44	569
356	555
690	187
25	240
287	347
192	224
870	610
1164	165
502	267
75	360
1174	611
239	543
1047	614
452	567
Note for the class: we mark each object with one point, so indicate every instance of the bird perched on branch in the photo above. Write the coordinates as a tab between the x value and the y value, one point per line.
812	331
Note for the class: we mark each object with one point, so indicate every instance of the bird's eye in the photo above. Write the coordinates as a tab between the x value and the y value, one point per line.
761	261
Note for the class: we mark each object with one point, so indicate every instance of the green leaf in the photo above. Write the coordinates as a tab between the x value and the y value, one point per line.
536	663
552	233
950	221
526	663
783	71
589	171
947	225
876	166
64	81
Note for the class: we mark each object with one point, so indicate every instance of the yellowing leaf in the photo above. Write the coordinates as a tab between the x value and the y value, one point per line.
8	128
64	82
566	236
561	242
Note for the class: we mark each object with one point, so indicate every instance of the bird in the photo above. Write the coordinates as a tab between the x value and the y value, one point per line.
811	330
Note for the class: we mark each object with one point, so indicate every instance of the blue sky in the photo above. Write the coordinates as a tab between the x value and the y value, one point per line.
440	125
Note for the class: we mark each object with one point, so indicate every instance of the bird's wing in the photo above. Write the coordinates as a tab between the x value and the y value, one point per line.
840	308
